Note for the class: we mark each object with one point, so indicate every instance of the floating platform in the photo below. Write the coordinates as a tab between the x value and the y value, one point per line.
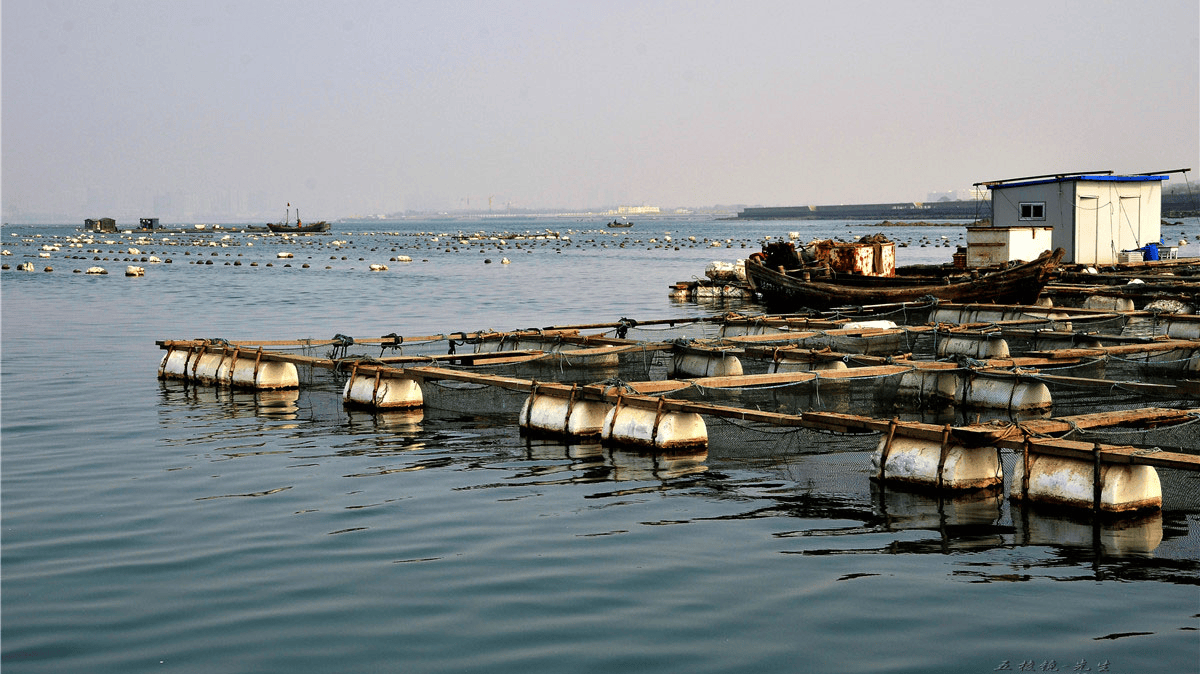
771	371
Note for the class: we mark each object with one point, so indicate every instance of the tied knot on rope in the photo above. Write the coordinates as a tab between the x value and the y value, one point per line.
617	383
397	340
623	325
462	339
341	344
969	362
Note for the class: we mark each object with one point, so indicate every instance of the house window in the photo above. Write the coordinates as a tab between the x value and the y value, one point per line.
1033	210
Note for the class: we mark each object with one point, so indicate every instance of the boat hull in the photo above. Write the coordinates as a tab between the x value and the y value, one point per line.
315	227
1021	284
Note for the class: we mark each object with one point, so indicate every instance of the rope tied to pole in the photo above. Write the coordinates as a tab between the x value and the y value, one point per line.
394	345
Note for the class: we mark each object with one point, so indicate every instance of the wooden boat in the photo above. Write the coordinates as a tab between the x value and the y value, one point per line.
819	288
618	223
299	227
319	226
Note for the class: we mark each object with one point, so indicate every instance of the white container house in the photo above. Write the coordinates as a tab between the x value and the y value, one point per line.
1093	216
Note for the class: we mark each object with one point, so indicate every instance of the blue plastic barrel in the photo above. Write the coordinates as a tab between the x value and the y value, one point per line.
1150	251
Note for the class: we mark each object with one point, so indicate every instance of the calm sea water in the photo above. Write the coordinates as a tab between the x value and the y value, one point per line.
149	526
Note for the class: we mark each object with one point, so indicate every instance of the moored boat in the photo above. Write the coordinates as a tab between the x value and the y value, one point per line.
299	227
819	287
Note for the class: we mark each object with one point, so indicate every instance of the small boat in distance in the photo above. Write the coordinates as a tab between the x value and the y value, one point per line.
285	226
618	223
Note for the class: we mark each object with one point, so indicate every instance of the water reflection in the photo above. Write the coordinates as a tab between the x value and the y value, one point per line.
594	462
221	402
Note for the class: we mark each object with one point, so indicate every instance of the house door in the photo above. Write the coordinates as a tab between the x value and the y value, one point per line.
1131	223
1087	233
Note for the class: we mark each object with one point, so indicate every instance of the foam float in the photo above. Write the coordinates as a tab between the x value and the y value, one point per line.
381	390
927	464
1076	483
230	368
568	418
973	346
694	363
655	429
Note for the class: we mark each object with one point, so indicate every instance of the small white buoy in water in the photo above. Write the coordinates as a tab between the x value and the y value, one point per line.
96	270
378	267
134	271
283	254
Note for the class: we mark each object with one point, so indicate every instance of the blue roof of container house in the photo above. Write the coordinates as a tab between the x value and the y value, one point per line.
1071	177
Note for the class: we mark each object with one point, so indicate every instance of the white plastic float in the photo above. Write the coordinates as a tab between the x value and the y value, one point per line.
969	389
693	363
655	429
972	346
1104	303
928	386
382	390
233	368
569	417
929	464
786	364
1068	482
1004	393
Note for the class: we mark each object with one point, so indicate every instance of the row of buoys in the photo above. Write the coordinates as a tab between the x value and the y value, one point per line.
615	423
946	466
1052	480
970	389
237	368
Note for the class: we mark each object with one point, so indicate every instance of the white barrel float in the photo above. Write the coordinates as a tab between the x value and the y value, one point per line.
231	368
981	346
869	325
1068	482
1183	328
744	329
786	364
1103	303
206	367
1049	343
924	464
691	363
655	429
928	386
568	417
381	390
1007	393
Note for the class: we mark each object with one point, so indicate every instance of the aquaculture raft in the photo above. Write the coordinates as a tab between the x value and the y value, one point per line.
772	371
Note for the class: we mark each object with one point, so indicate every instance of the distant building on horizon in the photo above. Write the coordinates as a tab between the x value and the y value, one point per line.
638	210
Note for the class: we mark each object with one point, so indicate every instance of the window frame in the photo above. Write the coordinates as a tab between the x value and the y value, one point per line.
1037	211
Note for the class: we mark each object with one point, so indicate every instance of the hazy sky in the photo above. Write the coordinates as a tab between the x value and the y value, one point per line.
362	107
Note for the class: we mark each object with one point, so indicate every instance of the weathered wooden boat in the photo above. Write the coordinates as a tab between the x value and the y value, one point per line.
299	227
819	287
319	226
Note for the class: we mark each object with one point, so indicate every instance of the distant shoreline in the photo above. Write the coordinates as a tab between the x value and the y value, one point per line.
1173	206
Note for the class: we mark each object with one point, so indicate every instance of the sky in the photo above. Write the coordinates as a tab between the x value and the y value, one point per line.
195	108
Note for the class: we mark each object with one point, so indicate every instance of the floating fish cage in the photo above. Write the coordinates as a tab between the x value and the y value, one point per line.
980	399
